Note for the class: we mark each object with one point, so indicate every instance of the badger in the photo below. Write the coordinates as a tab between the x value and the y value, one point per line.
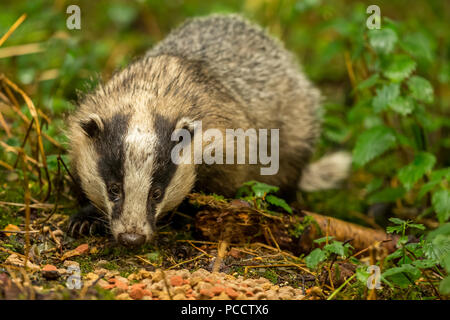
221	70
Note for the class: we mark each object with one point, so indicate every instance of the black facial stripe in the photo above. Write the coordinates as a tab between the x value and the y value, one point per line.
110	147
163	167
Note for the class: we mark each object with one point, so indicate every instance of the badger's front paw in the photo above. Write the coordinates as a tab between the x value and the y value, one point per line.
87	222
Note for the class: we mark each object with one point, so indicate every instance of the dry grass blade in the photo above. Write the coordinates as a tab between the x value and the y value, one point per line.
34	114
5	125
27	197
21	50
12	29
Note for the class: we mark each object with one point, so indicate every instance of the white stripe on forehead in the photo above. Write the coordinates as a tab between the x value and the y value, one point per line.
140	144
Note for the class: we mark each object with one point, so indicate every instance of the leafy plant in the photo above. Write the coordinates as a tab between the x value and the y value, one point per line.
262	196
333	248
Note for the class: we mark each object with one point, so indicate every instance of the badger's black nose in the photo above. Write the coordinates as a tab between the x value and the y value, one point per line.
131	239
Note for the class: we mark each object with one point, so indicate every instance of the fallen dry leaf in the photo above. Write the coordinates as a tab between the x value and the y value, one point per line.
11	227
81	249
15	260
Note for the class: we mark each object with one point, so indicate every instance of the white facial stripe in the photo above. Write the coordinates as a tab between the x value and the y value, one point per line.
139	156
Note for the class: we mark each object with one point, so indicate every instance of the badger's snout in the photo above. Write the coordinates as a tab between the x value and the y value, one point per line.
131	239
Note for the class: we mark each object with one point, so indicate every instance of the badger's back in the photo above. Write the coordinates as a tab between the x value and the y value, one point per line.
249	63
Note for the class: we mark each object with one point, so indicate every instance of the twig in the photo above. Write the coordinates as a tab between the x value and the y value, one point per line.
341	287
199	249
24	141
186	261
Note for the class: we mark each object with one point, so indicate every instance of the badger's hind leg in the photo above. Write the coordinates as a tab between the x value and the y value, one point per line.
87	222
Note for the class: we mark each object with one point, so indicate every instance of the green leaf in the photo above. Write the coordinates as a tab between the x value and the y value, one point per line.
399	68
425	263
385	96
402	105
444	286
421	89
436	178
278	202
335	247
419	46
397	275
315	257
323	239
416	226
387	195
362	274
423	162
383	40
372	143
441	204
259	189
397	221
374	185
369	82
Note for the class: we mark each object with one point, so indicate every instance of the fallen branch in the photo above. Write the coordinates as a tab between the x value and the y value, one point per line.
250	224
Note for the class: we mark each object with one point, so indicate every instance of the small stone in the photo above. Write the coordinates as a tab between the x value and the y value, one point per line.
49	267
124	280
50	272
233	294
70	263
176	281
261	296
234	253
179	296
261	280
206	293
178	290
163	296
102	263
222	296
266	286
103	283
147	293
136	293
118	290
285	296
119	284
143	274
195	280
217	290
157	276
184	273
200	273
123	296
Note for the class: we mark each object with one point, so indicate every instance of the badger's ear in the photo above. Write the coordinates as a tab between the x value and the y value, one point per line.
92	125
186	123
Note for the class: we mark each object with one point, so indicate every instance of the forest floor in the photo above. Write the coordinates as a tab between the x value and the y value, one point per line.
181	264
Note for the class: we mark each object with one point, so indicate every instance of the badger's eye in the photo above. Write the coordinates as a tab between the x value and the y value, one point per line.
115	191
156	194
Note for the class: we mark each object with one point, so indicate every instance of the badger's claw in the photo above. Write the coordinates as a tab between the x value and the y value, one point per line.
86	223
85	228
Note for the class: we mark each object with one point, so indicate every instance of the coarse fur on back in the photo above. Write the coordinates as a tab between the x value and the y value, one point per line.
220	69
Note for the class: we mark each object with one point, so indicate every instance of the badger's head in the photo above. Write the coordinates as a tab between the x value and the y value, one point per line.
125	168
